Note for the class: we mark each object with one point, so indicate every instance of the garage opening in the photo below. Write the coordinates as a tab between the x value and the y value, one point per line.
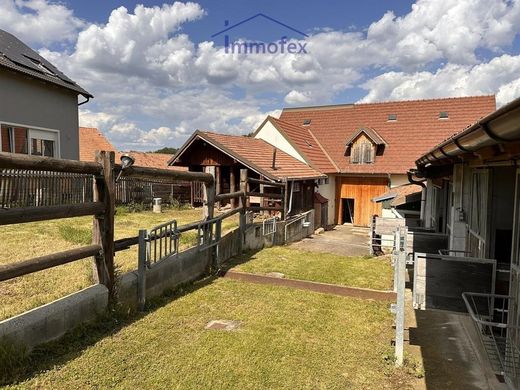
348	210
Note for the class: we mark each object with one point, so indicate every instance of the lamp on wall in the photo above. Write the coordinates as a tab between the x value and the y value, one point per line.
126	162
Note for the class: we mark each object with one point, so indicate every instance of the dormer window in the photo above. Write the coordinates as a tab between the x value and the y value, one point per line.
364	145
443	115
362	152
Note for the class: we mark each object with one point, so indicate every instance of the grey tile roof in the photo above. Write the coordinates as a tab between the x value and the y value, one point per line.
17	56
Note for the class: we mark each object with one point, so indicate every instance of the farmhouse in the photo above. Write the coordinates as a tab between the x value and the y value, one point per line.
473	196
39	110
366	149
225	155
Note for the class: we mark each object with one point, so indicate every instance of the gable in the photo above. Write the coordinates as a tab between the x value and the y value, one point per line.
270	134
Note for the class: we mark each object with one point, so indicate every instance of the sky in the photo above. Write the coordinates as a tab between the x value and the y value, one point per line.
158	72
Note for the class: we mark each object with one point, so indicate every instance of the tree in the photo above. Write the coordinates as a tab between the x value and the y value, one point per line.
166	150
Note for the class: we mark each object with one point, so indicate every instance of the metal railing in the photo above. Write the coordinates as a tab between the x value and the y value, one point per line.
269	226
489	313
303	218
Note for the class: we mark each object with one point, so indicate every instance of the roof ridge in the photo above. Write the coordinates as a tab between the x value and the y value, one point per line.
340	105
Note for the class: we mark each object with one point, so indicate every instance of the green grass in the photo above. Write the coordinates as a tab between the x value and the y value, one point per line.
288	340
25	241
365	272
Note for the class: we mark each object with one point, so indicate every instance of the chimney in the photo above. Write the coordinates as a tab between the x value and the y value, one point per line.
274	159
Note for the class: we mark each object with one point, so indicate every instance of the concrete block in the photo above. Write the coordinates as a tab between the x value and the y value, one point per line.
53	320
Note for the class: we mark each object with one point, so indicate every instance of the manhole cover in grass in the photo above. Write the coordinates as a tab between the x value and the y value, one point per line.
278	275
223	324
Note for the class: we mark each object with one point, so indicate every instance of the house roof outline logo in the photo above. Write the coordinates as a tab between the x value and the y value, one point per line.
254	17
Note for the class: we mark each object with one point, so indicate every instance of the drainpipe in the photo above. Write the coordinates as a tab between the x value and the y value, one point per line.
290	199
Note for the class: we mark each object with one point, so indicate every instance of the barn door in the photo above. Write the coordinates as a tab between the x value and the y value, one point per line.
513	348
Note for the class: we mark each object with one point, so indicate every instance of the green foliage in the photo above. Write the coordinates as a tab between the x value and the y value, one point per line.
75	235
166	150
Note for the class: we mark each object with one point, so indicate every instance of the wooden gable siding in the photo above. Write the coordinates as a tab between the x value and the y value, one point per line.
362	190
201	153
364	155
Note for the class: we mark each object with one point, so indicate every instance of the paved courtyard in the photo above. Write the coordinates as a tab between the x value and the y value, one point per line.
345	240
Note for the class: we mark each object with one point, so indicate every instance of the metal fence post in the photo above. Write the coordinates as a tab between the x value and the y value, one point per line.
399	320
141	270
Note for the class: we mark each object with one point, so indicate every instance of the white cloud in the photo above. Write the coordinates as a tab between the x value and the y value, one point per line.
154	85
39	22
501	75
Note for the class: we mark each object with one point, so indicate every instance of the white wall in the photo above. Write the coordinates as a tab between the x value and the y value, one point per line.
329	192
271	135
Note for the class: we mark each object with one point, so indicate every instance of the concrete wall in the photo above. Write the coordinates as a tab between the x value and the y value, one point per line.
272	136
36	104
53	320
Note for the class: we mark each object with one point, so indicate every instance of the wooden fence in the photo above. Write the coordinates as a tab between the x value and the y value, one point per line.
101	205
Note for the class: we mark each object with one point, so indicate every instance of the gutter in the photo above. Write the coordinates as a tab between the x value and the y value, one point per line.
501	126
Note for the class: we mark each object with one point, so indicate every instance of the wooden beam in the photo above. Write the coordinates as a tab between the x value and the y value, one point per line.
265	195
169	174
37	163
36	264
45	213
231	195
265	182
255	208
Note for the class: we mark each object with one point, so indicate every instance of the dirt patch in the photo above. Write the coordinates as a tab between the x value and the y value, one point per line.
313	286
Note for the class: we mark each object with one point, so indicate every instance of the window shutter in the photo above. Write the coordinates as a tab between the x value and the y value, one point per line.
355	154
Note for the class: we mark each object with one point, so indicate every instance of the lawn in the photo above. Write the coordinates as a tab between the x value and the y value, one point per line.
375	273
25	241
287	340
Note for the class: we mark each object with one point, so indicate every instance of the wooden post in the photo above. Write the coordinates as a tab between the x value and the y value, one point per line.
217	173
232	185
103	229
262	199
242	205
209	196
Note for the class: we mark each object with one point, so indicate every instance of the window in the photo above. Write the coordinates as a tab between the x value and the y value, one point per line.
362	153
392	117
296	186
306	122
443	115
16	139
323	181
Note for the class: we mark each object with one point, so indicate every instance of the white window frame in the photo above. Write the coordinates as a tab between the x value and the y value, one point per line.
33	130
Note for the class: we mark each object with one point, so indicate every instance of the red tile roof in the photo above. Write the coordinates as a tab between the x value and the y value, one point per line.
306	143
91	140
416	130
256	154
401	194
